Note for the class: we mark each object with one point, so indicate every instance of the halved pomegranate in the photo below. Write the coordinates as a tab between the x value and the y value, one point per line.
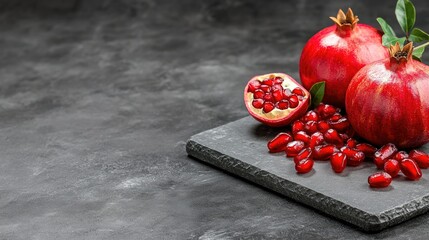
275	99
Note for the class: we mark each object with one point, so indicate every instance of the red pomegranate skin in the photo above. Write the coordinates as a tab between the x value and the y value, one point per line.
334	55
388	102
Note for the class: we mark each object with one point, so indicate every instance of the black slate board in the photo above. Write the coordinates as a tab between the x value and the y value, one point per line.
240	148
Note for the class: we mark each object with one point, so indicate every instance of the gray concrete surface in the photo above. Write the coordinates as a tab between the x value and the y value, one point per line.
97	101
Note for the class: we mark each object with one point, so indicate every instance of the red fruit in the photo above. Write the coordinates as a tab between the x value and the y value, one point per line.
401	155
304	166
279	142
275	108
325	110
341	125
305	153
354	157
387	101
351	143
316	139
336	53
310	127
379	180
293	148
366	148
410	169
338	162
332	136
335	117
323	126
421	158
385	152
323	152
302	136
392	167
297	126
311	116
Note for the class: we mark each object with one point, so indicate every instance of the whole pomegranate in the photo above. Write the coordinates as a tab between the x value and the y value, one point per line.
336	53
388	101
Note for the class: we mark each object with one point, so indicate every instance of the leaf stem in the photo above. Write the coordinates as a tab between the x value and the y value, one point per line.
422	46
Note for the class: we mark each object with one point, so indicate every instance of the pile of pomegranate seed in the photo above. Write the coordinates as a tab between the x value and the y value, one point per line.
270	94
324	134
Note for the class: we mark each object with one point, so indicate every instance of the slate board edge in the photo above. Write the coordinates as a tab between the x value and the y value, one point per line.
366	221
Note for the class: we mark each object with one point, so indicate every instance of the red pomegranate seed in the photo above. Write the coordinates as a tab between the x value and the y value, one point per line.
311	116
293	148
401	155
302	136
268	97
268	107
310	127
341	125
316	139
392	167
279	142
278	80
265	88
354	157
297	126
277	87
382	154
421	158
335	117
268	82
286	94
366	148
304	166
379	180
283	104
253	85
323	152
327	111
258	103
323	126
351	143
338	162
293	101
277	95
298	91
258	94
410	169
332	136
305	153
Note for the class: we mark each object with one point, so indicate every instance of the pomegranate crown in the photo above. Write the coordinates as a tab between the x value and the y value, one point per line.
401	54
345	19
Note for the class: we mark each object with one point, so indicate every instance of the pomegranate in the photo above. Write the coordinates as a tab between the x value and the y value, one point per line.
338	162
336	53
279	142
275	99
387	101
379	180
304	166
392	167
410	169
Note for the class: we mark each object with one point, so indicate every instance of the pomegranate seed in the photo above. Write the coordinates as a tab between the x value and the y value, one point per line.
311	116
302	136
258	94
354	157
341	125
323	126
400	155
277	87
265	88
287	93
316	139
410	169
298	91
268	97
304	166
293	101
258	103
344	137
278	80
421	158
382	154
297	126
305	153
323	152
293	148
283	104
253	85
379	180
392	167
327	111
332	136
338	162
268	107
277	95
310	127
279	142
366	148
335	117
268	82
351	143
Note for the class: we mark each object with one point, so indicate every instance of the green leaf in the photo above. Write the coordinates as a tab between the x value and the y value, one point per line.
317	92
418	52
387	29
406	15
418	35
390	40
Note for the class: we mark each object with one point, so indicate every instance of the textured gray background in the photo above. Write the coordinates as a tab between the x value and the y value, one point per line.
97	100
